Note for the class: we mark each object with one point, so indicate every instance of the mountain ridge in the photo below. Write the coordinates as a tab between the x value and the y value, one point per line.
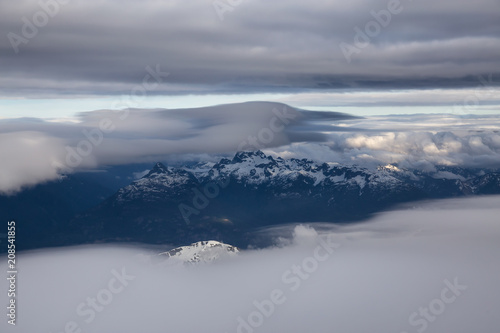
230	198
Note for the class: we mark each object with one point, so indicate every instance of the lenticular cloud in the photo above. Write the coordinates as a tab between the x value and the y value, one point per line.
133	136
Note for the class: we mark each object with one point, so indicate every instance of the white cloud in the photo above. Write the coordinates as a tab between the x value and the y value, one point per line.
304	235
415	141
28	158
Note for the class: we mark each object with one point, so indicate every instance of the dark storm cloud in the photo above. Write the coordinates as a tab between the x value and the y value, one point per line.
103	47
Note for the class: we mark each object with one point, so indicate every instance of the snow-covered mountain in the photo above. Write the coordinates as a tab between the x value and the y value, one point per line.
253	170
230	198
204	251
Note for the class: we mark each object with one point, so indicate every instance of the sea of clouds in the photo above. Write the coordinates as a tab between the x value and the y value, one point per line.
429	267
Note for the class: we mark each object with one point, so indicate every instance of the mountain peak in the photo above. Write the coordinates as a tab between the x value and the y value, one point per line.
159	168
203	251
244	155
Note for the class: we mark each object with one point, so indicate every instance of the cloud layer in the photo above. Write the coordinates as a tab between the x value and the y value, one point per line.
36	150
102	47
432	266
412	141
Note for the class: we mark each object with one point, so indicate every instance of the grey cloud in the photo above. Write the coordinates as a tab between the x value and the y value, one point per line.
111	137
460	101
100	47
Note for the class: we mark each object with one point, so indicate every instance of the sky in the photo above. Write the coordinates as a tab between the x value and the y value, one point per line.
58	58
429	267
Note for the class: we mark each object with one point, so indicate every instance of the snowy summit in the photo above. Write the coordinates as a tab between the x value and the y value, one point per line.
204	251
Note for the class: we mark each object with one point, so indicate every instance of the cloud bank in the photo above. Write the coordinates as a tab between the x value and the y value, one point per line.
103	47
412	141
431	267
37	150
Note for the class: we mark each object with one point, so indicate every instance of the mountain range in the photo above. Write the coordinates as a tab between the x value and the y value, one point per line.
227	201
